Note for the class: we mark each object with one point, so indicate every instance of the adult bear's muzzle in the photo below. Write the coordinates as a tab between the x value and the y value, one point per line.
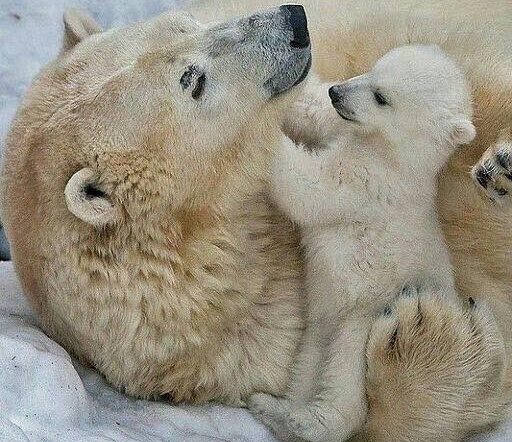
271	48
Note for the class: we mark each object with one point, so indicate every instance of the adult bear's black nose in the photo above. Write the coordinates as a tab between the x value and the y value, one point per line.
335	93
296	17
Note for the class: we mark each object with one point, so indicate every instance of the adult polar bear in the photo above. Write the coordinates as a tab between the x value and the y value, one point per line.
162	263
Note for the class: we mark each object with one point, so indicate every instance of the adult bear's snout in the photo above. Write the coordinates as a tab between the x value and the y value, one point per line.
296	17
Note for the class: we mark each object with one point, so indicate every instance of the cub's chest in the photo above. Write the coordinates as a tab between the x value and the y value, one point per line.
353	258
365	173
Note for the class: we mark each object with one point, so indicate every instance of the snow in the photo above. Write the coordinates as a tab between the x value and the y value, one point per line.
44	394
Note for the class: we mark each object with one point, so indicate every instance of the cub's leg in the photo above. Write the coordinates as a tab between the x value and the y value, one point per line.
276	412
305	374
435	370
339	407
493	173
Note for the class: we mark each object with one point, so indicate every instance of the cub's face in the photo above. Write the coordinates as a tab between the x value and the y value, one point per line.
159	116
412	92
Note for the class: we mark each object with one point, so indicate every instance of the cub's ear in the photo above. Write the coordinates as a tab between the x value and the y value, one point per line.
77	26
462	131
88	201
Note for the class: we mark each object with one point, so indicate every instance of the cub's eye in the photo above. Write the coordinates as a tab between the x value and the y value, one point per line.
380	99
195	79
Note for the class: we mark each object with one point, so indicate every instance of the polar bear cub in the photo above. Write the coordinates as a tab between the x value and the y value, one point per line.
366	207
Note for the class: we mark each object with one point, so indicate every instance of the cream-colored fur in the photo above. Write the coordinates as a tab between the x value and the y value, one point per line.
195	288
366	204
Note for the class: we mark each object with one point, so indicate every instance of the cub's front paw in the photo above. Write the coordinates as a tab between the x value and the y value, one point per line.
493	173
435	368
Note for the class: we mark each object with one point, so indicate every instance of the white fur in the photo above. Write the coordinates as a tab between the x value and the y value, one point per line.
366	206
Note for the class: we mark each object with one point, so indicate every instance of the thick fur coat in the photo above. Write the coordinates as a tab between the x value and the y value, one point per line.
143	235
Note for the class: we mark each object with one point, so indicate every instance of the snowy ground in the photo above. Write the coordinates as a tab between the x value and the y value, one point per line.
44	394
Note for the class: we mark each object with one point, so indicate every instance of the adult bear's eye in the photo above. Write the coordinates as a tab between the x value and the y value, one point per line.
199	87
380	99
193	78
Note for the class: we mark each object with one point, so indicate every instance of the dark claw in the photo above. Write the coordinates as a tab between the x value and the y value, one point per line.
503	160
483	176
419	315
471	302
387	310
408	291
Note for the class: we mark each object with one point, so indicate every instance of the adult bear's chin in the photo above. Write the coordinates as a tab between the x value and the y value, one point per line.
291	74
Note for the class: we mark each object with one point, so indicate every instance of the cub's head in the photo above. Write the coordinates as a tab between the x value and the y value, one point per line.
132	128
412	92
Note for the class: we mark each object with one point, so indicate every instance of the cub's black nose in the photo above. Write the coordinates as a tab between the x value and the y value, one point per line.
296	17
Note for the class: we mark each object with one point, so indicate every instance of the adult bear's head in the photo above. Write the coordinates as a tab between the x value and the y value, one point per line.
134	128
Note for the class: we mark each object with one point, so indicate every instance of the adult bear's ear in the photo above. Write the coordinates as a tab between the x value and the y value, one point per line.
77	26
462	131
88	200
